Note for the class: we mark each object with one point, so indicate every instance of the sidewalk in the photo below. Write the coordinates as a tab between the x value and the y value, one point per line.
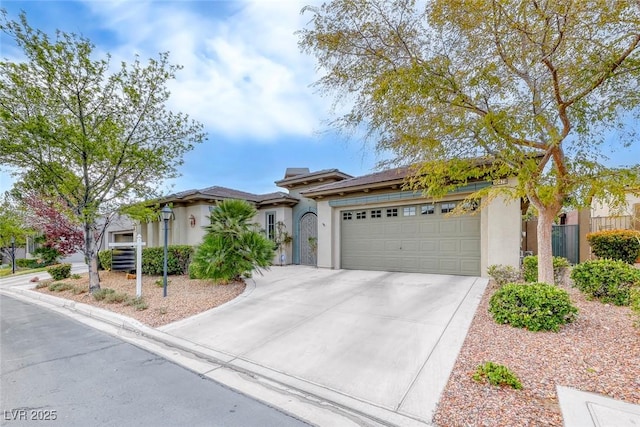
579	409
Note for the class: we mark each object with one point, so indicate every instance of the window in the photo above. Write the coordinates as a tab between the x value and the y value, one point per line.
428	209
376	213
471	205
361	215
271	225
392	212
447	207
409	211
347	216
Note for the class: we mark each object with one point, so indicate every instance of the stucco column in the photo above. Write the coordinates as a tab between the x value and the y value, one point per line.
501	233
326	245
584	227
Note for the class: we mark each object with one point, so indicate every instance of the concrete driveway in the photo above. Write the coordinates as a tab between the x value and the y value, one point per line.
380	343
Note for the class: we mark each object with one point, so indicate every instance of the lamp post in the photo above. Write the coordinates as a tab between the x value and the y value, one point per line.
166	216
13	255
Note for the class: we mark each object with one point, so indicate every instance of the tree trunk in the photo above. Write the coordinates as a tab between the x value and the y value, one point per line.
91	253
545	253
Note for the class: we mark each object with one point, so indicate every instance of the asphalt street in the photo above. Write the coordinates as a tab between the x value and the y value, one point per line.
56	371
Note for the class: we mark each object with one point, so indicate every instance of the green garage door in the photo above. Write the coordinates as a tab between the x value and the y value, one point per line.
416	238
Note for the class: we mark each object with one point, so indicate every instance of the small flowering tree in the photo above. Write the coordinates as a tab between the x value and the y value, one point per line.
49	216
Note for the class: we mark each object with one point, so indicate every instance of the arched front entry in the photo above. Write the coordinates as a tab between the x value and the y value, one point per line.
308	239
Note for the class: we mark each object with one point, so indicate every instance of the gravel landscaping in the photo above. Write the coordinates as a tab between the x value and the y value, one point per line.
185	297
599	352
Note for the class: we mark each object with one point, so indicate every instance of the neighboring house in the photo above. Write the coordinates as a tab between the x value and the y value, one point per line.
603	217
367	222
119	230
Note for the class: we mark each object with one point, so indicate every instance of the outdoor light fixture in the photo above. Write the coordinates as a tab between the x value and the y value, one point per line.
13	255
166	214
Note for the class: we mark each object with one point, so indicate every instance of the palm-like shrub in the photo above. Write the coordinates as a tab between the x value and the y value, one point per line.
233	246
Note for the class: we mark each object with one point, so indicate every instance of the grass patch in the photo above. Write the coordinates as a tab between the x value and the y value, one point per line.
7	271
61	286
115	298
138	303
102	293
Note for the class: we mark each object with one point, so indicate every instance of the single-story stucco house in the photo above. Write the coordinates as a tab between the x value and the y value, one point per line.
365	222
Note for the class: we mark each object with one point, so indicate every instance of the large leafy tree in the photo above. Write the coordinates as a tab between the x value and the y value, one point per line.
12	227
95	135
472	89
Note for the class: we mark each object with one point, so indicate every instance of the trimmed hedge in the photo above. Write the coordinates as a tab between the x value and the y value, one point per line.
535	306
623	245
28	263
178	259
60	271
530	268
607	280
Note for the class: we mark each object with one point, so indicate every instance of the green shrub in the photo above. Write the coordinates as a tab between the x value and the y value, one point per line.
192	274
28	263
530	268
115	298
60	287
102	293
138	303
232	245
60	271
497	375
535	306
503	274
606	280
178	259
623	245
104	259
634	303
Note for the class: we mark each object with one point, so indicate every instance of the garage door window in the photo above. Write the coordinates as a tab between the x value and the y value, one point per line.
347	216
376	213
361	215
392	212
447	207
427	209
409	211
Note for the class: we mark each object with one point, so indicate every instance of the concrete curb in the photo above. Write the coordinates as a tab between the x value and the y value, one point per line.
314	403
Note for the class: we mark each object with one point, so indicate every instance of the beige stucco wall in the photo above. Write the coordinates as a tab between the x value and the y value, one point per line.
500	233
326	239
284	214
600	209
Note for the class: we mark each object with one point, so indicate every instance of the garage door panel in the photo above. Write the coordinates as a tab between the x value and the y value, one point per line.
428	228
410	246
448	227
449	246
430	243
469	246
429	264
470	225
448	264
410	228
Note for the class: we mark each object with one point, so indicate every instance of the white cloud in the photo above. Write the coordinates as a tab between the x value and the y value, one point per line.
243	74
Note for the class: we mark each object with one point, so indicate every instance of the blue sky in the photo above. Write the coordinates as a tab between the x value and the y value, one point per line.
244	78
